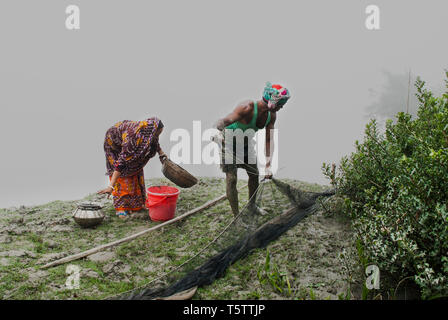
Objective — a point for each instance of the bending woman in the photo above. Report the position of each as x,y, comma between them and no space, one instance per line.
128,146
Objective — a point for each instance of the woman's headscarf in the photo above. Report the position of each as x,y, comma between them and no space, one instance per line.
275,95
139,143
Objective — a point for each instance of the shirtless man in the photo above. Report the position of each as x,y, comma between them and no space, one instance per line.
253,115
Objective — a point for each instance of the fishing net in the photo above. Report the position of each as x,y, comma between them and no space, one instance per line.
279,206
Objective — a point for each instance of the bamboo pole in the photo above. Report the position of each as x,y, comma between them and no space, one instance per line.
136,235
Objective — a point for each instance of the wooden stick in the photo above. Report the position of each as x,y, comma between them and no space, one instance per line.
136,235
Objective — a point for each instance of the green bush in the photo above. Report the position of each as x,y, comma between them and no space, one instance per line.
395,187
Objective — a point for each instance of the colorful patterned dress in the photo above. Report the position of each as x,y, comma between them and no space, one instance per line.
128,146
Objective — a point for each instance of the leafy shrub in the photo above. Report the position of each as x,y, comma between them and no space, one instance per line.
395,187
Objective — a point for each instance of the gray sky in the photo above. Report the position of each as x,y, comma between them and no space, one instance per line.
195,60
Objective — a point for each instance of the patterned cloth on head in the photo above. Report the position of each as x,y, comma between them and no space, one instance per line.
129,145
275,94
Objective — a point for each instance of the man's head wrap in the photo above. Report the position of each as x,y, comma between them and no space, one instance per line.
275,94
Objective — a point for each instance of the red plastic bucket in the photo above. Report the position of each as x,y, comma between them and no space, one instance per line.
161,202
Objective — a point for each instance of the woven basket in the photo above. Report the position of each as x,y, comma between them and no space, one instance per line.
177,174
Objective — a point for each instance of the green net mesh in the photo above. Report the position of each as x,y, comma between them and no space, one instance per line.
279,206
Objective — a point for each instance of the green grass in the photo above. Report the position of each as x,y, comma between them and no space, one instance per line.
157,252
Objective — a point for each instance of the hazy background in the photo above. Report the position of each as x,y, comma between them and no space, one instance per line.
60,90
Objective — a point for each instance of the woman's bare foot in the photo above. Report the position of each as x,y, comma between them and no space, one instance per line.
122,214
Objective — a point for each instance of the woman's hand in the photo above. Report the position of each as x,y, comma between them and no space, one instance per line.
107,191
162,155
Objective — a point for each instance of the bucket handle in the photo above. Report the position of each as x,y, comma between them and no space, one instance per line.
153,203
